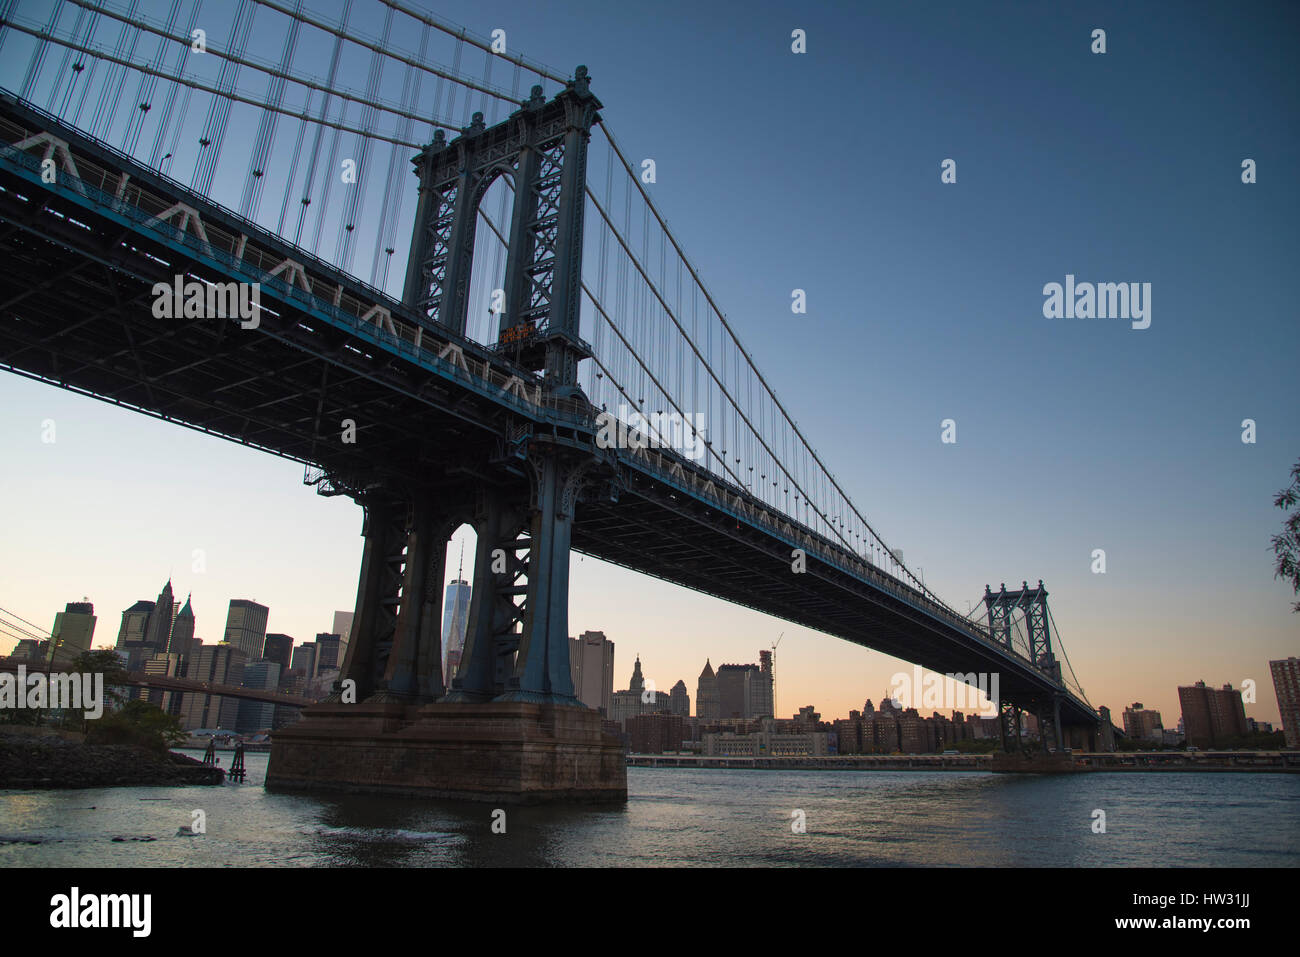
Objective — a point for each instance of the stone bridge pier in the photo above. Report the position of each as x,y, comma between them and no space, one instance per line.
506,727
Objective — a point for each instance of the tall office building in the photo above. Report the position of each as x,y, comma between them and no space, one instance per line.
182,640
304,660
762,690
745,691
221,664
135,621
279,648
329,653
1212,716
261,675
158,631
679,701
343,626
246,627
591,663
733,694
706,694
74,628
31,649
1286,684
166,665
455,617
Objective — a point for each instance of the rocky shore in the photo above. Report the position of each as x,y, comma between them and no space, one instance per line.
51,762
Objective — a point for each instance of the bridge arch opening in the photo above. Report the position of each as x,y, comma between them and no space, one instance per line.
457,588
488,267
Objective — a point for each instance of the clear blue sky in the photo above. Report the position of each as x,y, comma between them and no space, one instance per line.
821,171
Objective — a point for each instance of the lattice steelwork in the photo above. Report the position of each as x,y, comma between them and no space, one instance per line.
541,150
539,235
1000,608
1037,623
428,292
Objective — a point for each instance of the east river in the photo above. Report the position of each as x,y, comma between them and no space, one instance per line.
686,817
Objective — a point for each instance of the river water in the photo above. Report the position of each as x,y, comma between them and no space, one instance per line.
686,817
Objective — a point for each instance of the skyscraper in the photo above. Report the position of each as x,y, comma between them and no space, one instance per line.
329,653
262,675
343,626
680,700
591,663
279,648
706,694
745,691
1286,684
167,665
733,694
246,627
134,623
158,630
74,628
455,617
304,659
762,691
221,664
182,640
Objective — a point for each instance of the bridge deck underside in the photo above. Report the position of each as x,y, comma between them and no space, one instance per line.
76,310
711,553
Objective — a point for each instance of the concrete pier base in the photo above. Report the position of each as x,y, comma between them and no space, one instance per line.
1034,762
502,752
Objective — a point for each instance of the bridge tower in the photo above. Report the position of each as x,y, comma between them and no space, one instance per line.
516,642
542,150
507,725
1032,602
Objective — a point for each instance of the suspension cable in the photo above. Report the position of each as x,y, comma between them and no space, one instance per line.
205,88
362,42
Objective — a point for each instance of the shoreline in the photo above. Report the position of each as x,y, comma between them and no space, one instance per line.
1256,762
55,763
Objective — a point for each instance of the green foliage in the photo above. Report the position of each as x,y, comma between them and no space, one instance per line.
975,745
140,725
23,716
1286,546
106,662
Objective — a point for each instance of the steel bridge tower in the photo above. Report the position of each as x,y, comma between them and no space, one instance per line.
516,644
1001,607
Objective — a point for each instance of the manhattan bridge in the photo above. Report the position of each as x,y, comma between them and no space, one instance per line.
184,145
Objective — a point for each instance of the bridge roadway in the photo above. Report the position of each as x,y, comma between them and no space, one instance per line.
434,411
